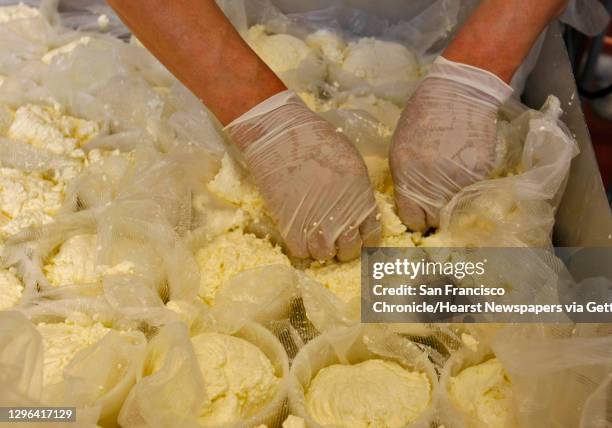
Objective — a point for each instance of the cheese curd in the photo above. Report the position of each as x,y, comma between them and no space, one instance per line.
374,393
294,422
65,49
231,185
282,52
26,200
11,290
47,128
74,263
484,393
18,11
344,279
327,44
376,62
61,342
230,254
238,377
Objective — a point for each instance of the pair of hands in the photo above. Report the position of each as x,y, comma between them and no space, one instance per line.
315,182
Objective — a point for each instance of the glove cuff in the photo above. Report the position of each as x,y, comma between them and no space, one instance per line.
272,103
471,76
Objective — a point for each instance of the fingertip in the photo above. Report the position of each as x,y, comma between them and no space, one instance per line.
411,214
319,247
370,229
349,245
297,247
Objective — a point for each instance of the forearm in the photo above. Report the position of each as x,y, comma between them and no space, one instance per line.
500,33
197,43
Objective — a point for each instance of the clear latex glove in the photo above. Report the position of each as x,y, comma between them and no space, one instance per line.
445,139
313,180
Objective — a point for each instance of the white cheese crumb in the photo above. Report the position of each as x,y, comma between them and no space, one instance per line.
46,128
18,11
103,21
27,200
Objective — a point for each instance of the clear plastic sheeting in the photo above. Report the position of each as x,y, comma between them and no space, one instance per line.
95,381
516,210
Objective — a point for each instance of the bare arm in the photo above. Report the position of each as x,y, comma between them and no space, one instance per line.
500,33
198,44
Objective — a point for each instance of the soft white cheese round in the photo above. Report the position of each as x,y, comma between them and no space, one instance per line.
281,52
484,392
376,62
238,377
374,393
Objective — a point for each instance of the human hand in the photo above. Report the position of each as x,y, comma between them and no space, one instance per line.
313,180
445,139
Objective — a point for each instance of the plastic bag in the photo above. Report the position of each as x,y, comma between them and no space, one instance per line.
517,210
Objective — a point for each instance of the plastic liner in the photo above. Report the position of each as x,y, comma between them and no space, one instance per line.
516,210
351,346
172,390
96,381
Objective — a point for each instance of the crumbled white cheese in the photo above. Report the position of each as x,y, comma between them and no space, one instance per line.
281,52
376,62
18,11
390,222
327,44
294,422
103,21
47,128
470,341
484,393
232,186
344,279
65,49
238,377
27,200
374,393
74,263
10,290
61,342
230,254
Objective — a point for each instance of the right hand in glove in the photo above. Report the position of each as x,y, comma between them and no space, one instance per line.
313,180
445,139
